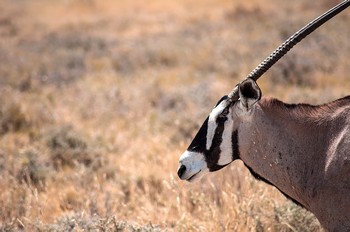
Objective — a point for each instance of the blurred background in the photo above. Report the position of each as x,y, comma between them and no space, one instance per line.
98,100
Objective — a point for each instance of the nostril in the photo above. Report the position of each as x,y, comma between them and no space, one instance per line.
181,170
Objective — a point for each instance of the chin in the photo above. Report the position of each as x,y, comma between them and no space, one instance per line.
197,176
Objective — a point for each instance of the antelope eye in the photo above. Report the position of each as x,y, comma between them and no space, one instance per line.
223,115
225,112
221,119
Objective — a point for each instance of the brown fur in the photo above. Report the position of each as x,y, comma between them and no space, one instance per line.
316,113
303,150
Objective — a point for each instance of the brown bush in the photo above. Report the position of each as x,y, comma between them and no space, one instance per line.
69,149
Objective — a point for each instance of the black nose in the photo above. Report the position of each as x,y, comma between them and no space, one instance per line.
181,170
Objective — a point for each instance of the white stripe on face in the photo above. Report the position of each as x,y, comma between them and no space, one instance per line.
212,122
226,144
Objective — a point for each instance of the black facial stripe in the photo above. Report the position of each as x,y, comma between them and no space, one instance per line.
212,156
235,153
235,147
199,142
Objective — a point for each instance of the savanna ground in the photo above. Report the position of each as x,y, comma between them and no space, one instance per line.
99,99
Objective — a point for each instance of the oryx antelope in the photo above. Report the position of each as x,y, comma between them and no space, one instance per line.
302,150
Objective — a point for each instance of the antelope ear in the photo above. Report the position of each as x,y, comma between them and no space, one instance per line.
249,93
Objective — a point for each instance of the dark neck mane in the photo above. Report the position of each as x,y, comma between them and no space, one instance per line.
317,113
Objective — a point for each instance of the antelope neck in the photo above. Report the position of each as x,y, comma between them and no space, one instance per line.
277,147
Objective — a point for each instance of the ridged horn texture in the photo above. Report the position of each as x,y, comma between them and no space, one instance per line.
290,43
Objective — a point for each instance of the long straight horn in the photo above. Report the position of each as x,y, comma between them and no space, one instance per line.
289,43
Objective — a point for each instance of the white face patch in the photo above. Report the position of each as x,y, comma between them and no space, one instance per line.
195,164
226,144
212,122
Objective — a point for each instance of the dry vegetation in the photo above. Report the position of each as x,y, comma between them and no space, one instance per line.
99,99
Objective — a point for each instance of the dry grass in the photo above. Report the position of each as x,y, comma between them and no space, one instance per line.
99,99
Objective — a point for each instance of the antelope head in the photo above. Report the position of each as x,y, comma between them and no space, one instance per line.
216,142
